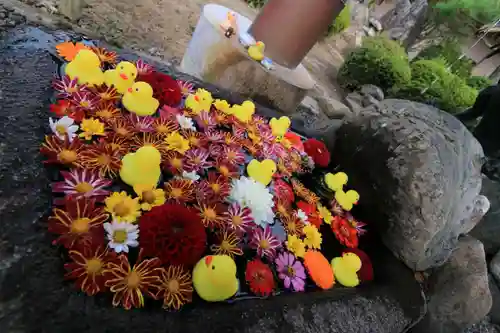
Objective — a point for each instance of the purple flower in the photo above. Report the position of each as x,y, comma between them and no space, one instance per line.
291,271
265,242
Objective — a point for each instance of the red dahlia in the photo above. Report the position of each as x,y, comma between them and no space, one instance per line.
259,277
318,152
165,88
174,233
345,232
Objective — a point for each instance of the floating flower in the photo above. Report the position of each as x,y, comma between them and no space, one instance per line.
185,123
63,128
91,127
231,140
283,191
238,218
193,176
174,162
176,142
253,149
303,192
284,168
292,140
84,101
143,68
179,190
106,111
296,246
239,132
282,208
80,183
264,242
174,233
259,278
176,287
121,236
87,267
318,151
325,214
215,187
122,127
65,108
196,160
149,196
345,232
106,94
291,271
186,87
196,139
293,225
228,244
62,152
79,222
311,215
66,87
101,158
165,88
358,225
301,215
162,126
122,207
214,135
233,155
105,55
205,120
226,169
148,139
116,143
170,112
249,193
141,124
313,237
211,214
130,284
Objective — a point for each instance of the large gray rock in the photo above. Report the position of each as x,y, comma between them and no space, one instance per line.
495,267
417,170
495,295
488,229
459,291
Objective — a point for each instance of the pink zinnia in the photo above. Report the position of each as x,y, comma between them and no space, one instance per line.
143,68
142,124
84,101
206,120
239,219
265,242
82,183
291,271
196,160
66,87
186,87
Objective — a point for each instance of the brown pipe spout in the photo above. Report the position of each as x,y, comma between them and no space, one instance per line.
290,28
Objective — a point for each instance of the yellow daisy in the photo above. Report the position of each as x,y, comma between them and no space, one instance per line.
91,127
149,196
313,237
177,142
122,207
296,246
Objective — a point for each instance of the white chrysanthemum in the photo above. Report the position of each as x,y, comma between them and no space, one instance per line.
185,122
190,175
121,235
64,126
302,215
249,193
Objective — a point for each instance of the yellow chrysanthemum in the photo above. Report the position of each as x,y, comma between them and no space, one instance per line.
296,246
149,196
313,237
325,214
91,127
177,142
223,106
123,207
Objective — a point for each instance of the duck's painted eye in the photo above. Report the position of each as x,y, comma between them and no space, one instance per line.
136,89
213,267
122,68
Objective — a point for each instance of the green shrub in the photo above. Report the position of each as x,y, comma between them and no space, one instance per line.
341,22
256,3
432,82
479,82
451,52
378,61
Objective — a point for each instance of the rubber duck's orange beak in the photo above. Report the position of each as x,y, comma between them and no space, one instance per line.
196,98
123,76
129,90
208,260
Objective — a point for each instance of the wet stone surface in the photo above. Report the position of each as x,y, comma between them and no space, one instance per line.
35,298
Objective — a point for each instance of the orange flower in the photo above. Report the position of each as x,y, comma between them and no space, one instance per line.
228,244
176,287
211,214
304,193
106,94
121,126
106,111
79,222
102,158
68,50
293,225
62,152
179,190
282,207
105,55
253,149
174,162
118,144
149,139
319,269
196,139
163,126
226,169
130,284
87,267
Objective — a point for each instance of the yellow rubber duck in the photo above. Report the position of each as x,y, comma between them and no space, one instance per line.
336,181
243,112
261,172
201,100
122,77
280,126
256,52
141,167
86,66
214,278
346,200
139,99
345,269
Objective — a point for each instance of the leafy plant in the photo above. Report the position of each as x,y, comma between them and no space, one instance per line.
479,82
341,22
451,52
256,3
